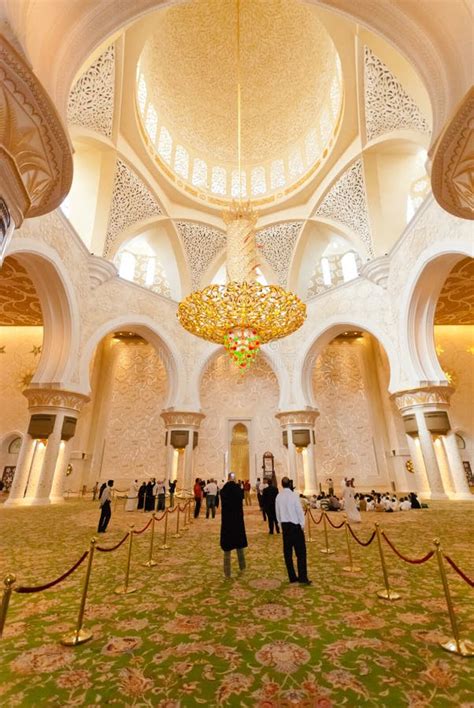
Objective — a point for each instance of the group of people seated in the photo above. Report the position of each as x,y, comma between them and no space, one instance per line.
375,501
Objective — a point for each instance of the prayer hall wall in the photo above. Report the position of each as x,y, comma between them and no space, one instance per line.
355,431
228,394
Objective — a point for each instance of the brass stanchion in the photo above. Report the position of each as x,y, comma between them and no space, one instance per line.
326,550
351,568
80,635
190,515
463,647
386,594
177,534
185,515
124,589
310,538
165,546
150,562
8,582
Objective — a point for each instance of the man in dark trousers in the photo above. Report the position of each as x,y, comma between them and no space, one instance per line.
232,524
290,515
105,500
269,495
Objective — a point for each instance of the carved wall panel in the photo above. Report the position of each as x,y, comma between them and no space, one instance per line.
226,393
387,105
456,300
135,431
19,303
91,101
344,446
132,201
346,201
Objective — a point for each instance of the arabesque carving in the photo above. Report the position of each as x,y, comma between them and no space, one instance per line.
35,156
276,244
452,173
387,105
178,419
202,244
306,418
91,101
429,396
55,398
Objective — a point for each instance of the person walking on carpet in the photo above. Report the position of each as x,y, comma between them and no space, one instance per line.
232,524
269,496
290,516
105,506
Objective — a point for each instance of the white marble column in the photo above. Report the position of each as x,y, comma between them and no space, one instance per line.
461,487
436,482
301,420
183,421
22,472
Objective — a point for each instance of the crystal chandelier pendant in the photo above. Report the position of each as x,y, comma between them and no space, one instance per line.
243,345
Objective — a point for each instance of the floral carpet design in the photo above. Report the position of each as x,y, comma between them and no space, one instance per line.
188,637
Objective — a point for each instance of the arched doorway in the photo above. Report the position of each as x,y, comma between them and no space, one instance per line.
239,451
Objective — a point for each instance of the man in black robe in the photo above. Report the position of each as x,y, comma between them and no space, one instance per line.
232,524
149,496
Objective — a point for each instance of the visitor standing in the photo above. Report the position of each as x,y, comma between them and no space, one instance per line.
172,488
210,491
141,495
247,490
161,495
350,507
269,496
290,516
132,497
149,496
232,524
105,500
198,495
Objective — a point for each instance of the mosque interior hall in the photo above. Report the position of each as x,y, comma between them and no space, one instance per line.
236,253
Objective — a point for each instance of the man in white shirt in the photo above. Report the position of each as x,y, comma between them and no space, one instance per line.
211,493
405,505
105,506
290,516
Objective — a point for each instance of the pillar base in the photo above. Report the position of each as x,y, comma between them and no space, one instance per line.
433,496
461,496
310,492
57,500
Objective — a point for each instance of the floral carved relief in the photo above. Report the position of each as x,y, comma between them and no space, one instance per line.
277,243
19,303
202,244
387,105
91,101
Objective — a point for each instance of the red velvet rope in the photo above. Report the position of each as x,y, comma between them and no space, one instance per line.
39,588
114,548
158,518
182,509
137,533
414,561
335,526
361,543
320,518
459,571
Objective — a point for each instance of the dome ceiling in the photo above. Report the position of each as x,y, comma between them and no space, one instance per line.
291,91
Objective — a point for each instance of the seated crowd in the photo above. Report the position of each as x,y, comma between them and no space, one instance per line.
375,501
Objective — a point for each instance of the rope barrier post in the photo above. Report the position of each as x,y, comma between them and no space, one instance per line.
326,550
386,594
455,645
8,582
177,534
165,546
185,515
310,538
190,515
351,568
124,589
80,635
150,562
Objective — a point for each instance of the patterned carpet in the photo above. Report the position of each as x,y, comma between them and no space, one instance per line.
187,637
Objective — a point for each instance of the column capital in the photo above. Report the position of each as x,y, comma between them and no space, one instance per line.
182,419
305,418
427,397
50,397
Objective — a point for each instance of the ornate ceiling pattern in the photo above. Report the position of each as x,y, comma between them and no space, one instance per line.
456,301
19,303
202,244
387,105
276,243
91,101
132,202
346,202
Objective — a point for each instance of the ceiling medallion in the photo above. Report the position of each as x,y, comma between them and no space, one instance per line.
243,314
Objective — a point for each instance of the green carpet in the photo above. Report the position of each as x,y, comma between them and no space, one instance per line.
187,637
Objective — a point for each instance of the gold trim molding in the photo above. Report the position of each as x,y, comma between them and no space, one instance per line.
55,398
306,418
35,154
177,419
429,396
453,162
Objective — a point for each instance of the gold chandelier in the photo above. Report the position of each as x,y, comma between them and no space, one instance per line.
244,314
